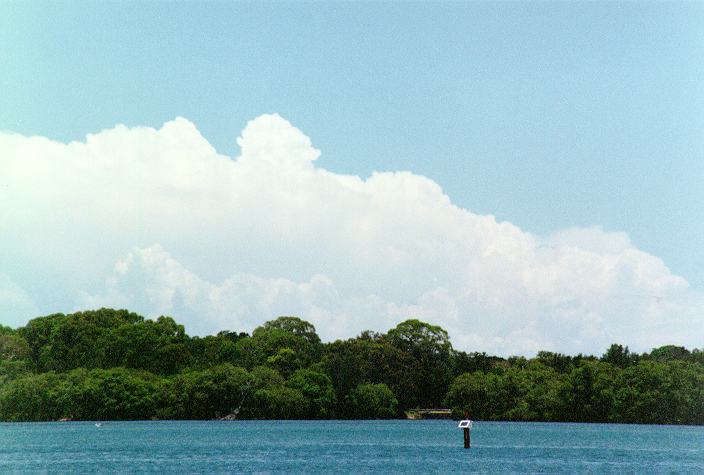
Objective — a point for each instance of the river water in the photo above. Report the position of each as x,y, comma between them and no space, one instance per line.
348,447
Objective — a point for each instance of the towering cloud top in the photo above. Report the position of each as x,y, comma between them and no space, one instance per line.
157,221
273,139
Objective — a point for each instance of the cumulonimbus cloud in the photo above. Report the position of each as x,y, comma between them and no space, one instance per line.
14,303
159,222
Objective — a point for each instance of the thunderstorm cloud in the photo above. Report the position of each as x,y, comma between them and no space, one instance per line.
158,222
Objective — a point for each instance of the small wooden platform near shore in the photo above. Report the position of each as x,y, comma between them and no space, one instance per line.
429,414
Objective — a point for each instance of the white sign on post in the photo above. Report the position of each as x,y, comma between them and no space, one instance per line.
466,424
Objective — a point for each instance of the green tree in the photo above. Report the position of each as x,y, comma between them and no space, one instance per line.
38,333
285,361
33,398
279,402
214,392
160,346
293,325
114,364
212,350
557,361
588,394
364,360
11,370
653,392
109,394
670,353
13,347
480,395
372,401
284,332
537,393
469,362
619,355
430,347
317,390
63,342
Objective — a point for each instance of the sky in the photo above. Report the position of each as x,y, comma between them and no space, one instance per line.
527,175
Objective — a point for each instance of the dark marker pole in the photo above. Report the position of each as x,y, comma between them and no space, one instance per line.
465,425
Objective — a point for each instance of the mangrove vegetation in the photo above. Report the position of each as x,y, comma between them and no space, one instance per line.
115,365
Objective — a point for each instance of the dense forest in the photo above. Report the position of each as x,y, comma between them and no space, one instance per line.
113,364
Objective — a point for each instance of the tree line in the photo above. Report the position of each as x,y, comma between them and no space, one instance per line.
116,365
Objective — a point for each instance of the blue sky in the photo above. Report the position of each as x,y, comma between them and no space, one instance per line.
545,115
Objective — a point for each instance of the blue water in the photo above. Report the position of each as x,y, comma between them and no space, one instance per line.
348,446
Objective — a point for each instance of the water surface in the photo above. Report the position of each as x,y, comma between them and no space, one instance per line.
348,446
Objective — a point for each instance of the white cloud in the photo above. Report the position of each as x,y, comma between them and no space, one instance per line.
16,307
157,221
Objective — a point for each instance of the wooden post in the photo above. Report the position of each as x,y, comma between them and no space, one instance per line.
466,431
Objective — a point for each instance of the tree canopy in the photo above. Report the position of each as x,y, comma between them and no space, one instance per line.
114,364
